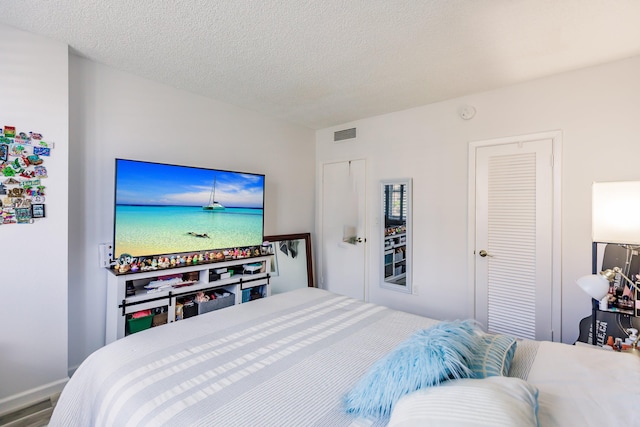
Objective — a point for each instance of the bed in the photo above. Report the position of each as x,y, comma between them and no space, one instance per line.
289,360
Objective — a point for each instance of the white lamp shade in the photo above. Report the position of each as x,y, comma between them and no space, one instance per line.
616,212
595,285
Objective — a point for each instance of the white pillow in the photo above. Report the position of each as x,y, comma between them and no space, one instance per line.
493,401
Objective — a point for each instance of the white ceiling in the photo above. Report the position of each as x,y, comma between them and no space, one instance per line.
321,63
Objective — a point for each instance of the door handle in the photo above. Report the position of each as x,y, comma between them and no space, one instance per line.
484,253
352,240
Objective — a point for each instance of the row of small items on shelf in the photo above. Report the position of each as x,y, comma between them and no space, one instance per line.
390,231
126,263
189,306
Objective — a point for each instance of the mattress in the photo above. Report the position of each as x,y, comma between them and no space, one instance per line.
286,360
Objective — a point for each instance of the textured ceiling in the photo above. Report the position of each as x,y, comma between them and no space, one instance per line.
326,62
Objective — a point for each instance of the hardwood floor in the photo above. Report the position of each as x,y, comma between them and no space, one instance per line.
36,415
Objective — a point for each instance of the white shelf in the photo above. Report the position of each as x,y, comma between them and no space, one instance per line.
119,305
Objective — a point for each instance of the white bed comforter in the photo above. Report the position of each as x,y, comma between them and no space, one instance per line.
283,360
586,386
289,359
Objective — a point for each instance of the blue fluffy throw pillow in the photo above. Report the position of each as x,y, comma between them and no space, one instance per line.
427,358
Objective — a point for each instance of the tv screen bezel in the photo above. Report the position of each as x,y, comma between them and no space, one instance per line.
115,253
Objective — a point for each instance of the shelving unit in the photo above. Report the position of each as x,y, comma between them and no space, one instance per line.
395,259
126,292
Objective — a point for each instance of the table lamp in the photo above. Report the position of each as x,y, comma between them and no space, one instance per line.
615,219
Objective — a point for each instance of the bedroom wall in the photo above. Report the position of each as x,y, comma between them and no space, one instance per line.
596,110
33,257
115,114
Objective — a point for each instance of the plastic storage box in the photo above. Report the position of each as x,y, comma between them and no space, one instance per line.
139,324
218,303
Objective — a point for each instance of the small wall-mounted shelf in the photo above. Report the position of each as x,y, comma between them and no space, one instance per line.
130,293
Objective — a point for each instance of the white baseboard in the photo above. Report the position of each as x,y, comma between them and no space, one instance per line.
29,397
72,370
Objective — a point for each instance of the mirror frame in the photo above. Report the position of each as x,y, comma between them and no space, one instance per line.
408,287
307,245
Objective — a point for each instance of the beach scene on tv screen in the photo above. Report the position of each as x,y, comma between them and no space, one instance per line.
166,209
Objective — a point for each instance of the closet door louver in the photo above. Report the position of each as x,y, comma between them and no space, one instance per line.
512,231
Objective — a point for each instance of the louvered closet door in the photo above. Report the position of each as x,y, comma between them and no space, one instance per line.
514,212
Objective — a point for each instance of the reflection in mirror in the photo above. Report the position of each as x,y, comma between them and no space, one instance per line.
291,265
396,231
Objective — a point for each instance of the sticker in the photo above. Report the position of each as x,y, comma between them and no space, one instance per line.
37,210
37,199
38,191
8,171
36,136
19,164
42,151
16,192
16,150
3,190
30,183
4,152
40,171
23,215
11,181
19,202
8,216
9,131
34,159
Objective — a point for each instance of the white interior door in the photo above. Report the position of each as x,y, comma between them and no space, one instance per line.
514,238
343,228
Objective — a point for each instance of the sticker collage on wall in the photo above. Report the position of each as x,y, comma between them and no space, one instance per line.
22,174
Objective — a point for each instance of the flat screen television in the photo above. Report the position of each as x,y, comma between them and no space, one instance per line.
163,209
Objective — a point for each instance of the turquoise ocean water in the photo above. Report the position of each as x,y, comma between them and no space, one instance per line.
153,230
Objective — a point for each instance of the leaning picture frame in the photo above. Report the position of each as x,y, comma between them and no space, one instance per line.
274,261
37,210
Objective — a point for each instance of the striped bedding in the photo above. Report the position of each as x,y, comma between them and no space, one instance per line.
285,360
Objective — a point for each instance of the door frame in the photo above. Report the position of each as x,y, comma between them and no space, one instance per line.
556,269
320,222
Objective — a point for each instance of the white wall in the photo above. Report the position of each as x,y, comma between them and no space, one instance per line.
33,258
115,114
597,111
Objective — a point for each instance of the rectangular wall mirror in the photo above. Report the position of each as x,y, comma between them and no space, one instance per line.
396,232
292,263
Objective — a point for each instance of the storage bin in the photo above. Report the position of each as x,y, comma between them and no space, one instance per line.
160,319
218,303
139,324
189,309
250,294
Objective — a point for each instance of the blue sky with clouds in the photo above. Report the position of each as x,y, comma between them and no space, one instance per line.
143,183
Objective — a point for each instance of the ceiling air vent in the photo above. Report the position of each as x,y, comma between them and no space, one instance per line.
341,135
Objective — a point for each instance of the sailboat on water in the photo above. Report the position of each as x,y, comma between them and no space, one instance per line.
213,205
